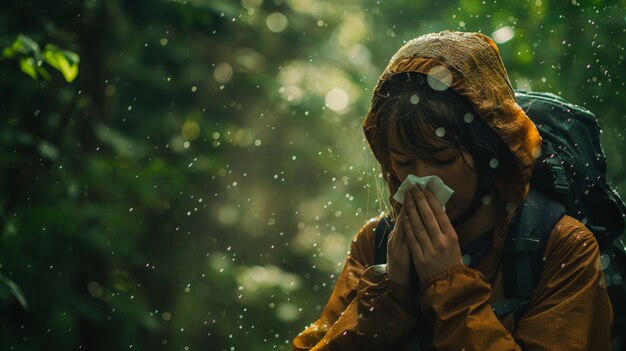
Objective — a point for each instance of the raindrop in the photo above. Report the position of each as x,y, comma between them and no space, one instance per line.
414,99
337,99
486,200
494,163
510,207
439,78
503,35
276,22
440,132
605,260
191,130
94,289
468,118
223,73
251,4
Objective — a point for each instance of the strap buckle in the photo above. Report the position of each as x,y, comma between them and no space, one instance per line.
561,184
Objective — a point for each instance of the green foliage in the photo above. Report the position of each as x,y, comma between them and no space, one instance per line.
198,183
31,58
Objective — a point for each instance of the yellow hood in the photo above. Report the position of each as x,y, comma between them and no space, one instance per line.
469,64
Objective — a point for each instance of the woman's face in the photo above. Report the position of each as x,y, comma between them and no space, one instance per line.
446,163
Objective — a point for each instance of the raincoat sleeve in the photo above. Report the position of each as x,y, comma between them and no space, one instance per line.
570,309
366,311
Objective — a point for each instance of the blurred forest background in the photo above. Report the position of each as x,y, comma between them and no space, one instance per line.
188,175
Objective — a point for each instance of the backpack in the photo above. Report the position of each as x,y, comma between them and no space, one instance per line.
569,178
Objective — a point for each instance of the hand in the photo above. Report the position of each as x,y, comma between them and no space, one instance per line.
431,238
398,254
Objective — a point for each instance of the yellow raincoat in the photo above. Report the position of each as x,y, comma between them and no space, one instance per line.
570,308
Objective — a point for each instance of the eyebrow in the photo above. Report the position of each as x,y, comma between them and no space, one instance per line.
435,150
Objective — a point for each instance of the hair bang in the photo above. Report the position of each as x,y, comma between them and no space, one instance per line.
416,127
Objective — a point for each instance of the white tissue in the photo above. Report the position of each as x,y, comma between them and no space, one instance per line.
433,183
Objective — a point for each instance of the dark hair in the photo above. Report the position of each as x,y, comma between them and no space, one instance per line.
416,112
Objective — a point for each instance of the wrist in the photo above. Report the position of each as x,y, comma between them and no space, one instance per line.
445,274
397,279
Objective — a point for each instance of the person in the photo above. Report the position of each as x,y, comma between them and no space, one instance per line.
444,106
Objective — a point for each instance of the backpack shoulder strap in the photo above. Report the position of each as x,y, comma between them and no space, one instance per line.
383,228
524,250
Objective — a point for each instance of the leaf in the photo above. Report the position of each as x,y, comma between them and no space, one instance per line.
8,52
71,57
27,43
31,58
42,72
24,45
63,61
27,65
14,289
69,71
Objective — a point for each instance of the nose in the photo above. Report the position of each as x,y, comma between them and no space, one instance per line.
421,168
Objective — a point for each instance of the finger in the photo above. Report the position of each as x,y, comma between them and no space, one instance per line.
401,213
414,227
416,250
426,214
397,237
440,214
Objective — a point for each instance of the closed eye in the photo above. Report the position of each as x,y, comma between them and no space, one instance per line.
439,162
446,162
